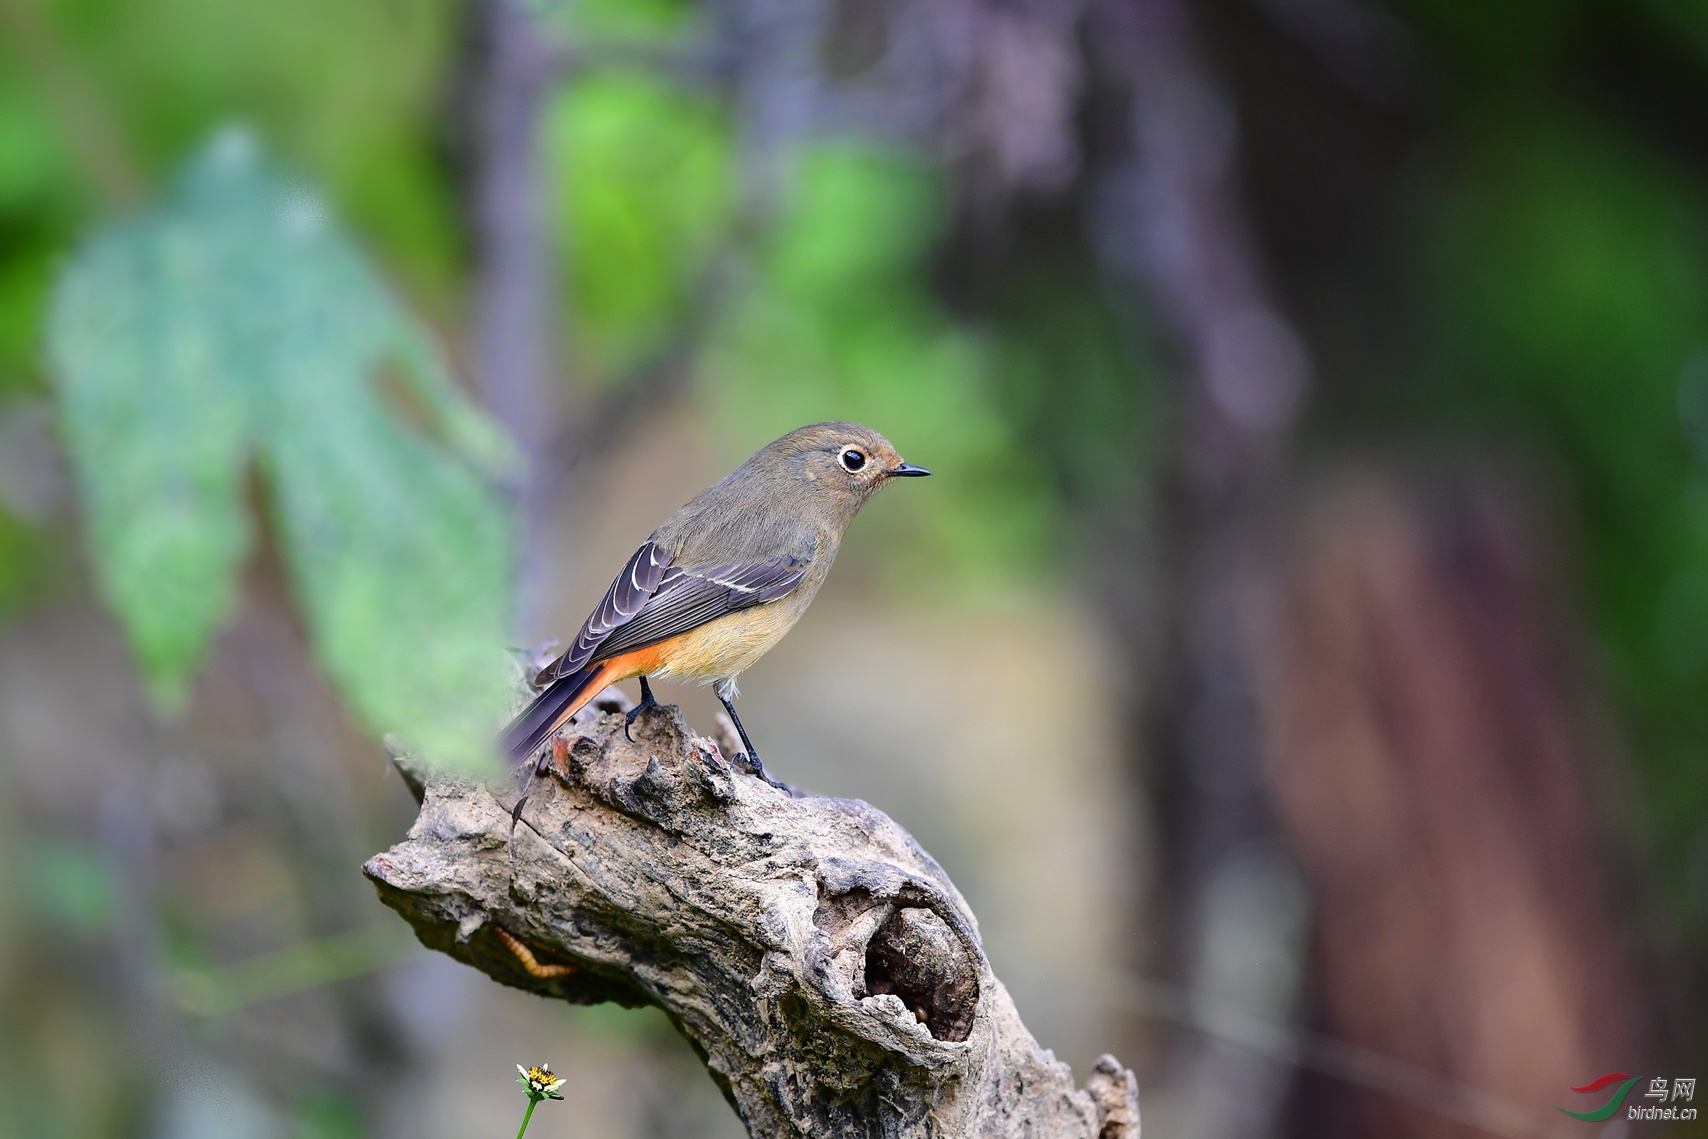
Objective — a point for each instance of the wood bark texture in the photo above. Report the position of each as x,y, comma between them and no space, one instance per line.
821,964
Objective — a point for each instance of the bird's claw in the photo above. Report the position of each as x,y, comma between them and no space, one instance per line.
751,761
647,703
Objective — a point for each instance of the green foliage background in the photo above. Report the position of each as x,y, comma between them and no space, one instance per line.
1566,259
1558,257
1563,262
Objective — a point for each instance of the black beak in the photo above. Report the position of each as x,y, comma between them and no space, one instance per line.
909,471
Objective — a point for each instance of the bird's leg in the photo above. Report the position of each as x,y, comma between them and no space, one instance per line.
751,757
646,703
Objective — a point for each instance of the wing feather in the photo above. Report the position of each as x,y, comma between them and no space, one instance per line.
627,596
652,600
693,597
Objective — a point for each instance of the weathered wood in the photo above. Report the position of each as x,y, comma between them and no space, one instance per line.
820,962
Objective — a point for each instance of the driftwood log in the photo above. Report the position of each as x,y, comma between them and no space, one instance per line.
821,964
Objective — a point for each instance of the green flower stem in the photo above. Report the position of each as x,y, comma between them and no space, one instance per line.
533,1102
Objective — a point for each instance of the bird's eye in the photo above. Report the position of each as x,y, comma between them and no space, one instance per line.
853,459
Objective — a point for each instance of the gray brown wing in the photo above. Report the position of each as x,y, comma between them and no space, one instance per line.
627,596
652,600
688,598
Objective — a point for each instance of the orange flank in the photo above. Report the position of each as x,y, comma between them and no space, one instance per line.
643,661
720,648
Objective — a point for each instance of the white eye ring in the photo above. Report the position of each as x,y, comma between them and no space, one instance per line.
852,458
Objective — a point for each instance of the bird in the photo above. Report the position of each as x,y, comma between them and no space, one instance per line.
717,585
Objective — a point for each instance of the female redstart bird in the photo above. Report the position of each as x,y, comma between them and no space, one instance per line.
711,590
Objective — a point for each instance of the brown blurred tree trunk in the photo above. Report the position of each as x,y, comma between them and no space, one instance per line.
1433,769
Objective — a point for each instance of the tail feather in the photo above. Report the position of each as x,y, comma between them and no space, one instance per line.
562,699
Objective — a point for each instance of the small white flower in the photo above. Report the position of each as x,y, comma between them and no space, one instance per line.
540,1082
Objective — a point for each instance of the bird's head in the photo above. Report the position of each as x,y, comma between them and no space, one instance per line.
840,465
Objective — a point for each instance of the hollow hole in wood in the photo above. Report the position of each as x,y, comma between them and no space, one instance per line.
916,956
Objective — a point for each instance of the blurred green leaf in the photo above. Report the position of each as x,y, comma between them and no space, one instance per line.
350,91
24,289
236,325
32,153
642,173
326,1114
616,20
1067,370
201,990
71,885
26,562
861,218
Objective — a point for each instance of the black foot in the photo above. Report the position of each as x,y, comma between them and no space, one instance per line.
751,761
647,703
750,757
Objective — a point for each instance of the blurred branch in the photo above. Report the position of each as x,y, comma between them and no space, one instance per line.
686,62
295,969
655,380
823,966
511,71
515,62
1170,220
96,141
1298,1048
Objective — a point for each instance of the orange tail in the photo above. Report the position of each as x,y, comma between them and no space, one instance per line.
562,699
